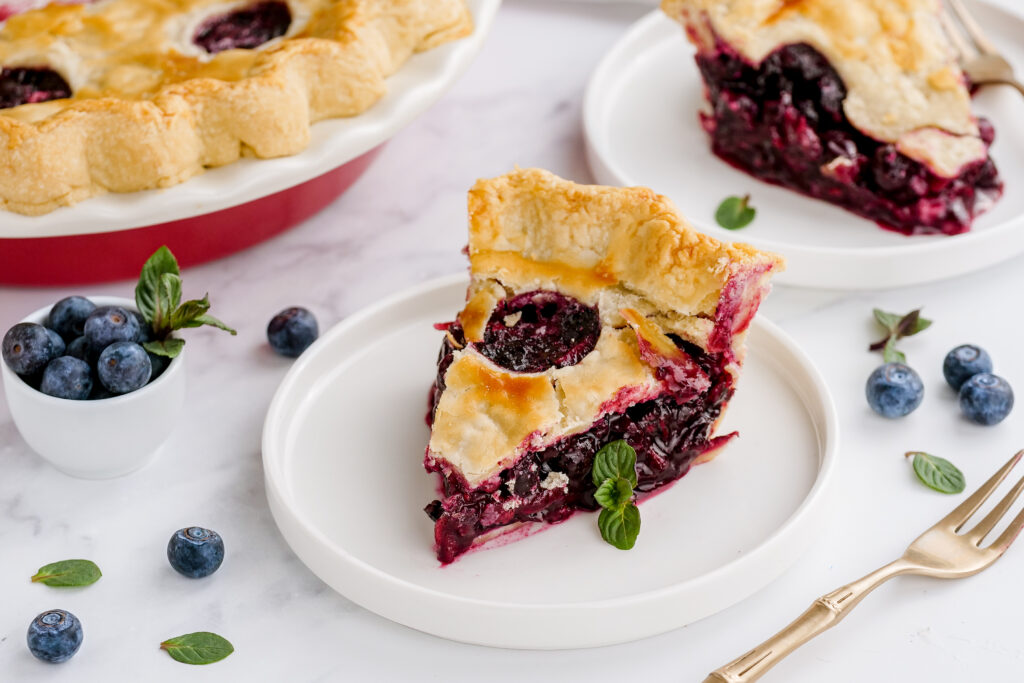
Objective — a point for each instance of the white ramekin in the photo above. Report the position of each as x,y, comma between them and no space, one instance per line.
97,439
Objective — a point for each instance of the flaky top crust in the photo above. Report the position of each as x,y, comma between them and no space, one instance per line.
531,229
625,250
151,110
899,68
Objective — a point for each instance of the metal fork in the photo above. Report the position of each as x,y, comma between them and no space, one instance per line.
941,552
979,59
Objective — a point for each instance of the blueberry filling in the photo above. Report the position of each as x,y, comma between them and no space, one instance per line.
535,331
29,85
783,121
245,28
551,484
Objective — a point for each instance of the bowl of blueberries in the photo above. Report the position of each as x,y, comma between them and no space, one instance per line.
84,393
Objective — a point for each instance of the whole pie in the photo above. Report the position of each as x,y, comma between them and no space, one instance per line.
857,102
594,314
126,95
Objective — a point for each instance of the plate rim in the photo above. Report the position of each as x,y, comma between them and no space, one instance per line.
116,212
607,170
287,515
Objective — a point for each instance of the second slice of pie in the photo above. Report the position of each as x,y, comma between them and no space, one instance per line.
594,314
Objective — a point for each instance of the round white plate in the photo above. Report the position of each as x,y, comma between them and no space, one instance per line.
334,142
343,448
640,119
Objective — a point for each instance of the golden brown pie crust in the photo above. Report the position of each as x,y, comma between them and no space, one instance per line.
902,79
625,250
144,115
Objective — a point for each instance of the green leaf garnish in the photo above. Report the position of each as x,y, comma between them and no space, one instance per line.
617,459
68,573
168,348
897,327
614,474
621,526
735,213
937,473
614,493
158,298
161,262
198,648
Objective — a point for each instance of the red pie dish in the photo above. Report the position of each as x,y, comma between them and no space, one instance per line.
594,314
859,103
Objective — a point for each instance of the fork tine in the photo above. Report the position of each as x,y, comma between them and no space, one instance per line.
958,517
979,532
1010,534
973,29
963,48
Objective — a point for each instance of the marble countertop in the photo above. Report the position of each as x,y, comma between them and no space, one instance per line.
402,223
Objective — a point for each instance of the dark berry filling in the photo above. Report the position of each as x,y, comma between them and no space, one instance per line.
782,121
668,436
28,85
538,330
245,28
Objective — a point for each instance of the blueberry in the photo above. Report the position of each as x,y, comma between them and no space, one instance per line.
109,324
28,348
964,362
79,348
292,331
67,317
159,364
55,636
195,552
124,367
67,377
59,347
145,329
894,390
986,399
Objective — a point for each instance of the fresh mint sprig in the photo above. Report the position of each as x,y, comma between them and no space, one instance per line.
68,573
735,212
158,297
198,648
614,475
937,473
898,327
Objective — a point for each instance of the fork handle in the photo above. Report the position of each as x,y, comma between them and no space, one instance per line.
826,612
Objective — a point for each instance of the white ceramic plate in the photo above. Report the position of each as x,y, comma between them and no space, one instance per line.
343,446
640,119
416,86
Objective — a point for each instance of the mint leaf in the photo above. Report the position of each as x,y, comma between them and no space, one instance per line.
169,348
68,573
898,327
158,297
186,314
198,648
614,493
891,355
735,213
212,322
160,263
887,320
937,473
617,459
620,527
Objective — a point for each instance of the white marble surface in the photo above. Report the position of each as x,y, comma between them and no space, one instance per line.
403,222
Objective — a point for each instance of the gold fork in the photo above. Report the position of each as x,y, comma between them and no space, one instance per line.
979,59
940,552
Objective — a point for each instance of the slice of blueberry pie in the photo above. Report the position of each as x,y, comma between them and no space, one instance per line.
594,314
856,102
126,95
